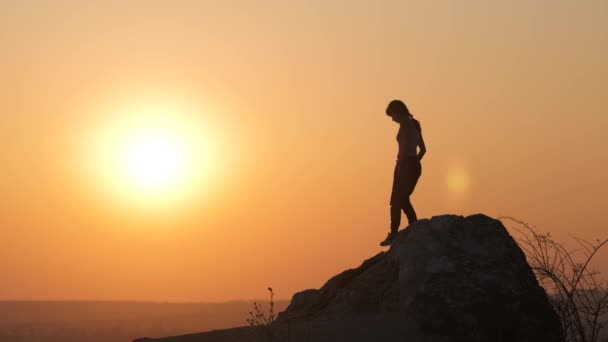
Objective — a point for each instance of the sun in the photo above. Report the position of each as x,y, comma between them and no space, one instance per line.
153,155
154,161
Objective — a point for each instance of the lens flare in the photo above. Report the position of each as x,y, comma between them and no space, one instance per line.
457,179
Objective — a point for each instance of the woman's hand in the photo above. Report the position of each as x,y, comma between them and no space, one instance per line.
422,147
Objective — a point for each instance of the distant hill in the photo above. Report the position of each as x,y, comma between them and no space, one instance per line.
115,321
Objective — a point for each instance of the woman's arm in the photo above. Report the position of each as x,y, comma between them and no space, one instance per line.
422,148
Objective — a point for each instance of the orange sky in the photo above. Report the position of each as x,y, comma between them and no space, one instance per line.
291,97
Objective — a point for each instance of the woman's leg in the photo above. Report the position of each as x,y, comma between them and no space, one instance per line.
409,211
396,198
414,170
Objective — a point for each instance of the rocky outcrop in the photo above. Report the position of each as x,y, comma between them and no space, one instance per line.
448,278
372,288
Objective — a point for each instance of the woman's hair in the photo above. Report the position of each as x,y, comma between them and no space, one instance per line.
397,106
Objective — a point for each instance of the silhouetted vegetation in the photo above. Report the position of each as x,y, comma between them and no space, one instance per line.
578,294
258,317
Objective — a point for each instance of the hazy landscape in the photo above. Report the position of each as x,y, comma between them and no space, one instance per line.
420,171
115,321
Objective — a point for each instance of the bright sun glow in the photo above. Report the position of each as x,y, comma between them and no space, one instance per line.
154,154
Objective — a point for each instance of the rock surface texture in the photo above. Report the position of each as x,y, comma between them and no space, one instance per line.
448,278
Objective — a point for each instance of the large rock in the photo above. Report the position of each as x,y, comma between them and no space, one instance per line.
448,278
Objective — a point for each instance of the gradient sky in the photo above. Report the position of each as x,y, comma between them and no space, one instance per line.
511,97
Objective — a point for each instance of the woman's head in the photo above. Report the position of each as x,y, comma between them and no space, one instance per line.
398,111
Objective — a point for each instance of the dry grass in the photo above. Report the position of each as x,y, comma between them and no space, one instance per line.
261,319
578,293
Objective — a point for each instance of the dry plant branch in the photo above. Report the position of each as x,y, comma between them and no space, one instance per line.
259,318
577,293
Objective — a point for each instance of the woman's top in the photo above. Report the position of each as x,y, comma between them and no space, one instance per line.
408,137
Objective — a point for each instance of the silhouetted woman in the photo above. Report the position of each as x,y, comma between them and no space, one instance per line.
408,167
